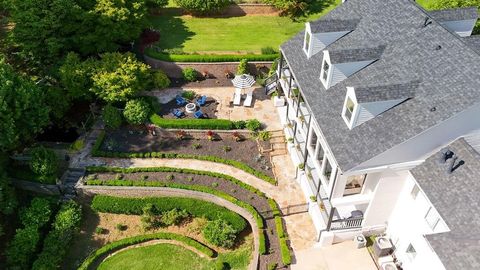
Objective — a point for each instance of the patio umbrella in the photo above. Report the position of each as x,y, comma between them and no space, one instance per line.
243,81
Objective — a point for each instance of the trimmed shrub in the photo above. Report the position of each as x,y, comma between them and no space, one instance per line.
214,124
37,214
268,50
112,117
239,124
253,125
285,252
202,6
156,3
220,233
144,238
190,74
22,248
196,208
262,249
242,67
190,95
136,111
207,58
160,79
58,239
43,163
173,217
279,227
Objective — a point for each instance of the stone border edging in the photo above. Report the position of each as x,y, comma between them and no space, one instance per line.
47,189
174,192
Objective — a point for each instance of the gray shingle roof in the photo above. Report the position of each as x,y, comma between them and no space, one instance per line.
448,77
325,26
473,42
385,92
455,14
354,55
456,198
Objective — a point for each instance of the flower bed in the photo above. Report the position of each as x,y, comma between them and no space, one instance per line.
144,238
215,124
225,186
229,148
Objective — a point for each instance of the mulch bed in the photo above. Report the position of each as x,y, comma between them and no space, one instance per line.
260,203
247,151
209,109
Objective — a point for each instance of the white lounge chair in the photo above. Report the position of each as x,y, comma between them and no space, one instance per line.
248,99
237,97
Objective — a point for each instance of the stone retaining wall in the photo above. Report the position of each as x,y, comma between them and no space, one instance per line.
37,187
85,190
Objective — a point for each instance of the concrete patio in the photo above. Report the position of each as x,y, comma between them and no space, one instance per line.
262,106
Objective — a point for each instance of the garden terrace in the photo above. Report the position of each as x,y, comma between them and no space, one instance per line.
204,181
237,149
209,110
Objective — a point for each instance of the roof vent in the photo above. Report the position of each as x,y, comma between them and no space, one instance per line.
439,47
432,109
427,22
444,154
451,164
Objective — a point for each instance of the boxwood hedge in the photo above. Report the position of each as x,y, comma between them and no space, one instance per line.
208,57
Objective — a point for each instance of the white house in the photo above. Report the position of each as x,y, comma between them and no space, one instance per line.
372,90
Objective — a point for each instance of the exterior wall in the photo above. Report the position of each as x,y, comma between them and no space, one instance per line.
369,110
407,225
473,139
423,145
322,40
463,28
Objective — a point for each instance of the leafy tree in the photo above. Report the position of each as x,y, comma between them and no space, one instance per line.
242,67
119,77
22,108
22,248
136,111
157,3
112,117
202,6
43,162
220,233
75,75
8,198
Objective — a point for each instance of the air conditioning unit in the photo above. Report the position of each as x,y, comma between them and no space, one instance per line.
360,241
382,246
388,266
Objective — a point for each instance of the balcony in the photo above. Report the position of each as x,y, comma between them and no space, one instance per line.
346,223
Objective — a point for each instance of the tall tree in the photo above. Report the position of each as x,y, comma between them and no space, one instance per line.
22,108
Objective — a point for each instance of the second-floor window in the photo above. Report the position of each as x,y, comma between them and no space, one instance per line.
307,41
328,170
411,252
349,109
433,218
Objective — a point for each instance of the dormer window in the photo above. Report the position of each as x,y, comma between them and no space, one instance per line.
349,106
326,70
326,67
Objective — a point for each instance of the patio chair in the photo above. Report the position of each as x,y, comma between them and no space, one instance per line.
178,113
198,114
237,97
248,100
180,100
201,101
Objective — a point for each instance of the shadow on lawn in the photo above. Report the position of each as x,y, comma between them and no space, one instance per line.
173,32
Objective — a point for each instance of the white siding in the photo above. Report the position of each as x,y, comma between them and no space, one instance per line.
369,110
341,71
474,139
463,28
322,40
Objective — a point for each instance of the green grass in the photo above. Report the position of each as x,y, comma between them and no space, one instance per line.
234,34
161,256
426,3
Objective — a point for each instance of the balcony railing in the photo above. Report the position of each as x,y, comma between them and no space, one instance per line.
346,223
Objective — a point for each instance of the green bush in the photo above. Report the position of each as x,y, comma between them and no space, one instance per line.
22,248
98,143
100,230
155,106
173,217
59,238
156,3
268,50
37,214
262,249
112,117
196,208
202,6
272,266
285,252
160,79
144,238
137,111
190,74
213,124
264,135
190,95
279,227
205,58
242,67
253,125
273,67
220,233
239,124
44,162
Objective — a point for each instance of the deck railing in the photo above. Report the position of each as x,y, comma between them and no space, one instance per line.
346,223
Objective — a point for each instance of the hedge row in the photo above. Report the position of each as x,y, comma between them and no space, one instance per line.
237,164
282,236
197,208
58,239
262,249
208,57
215,124
144,238
97,169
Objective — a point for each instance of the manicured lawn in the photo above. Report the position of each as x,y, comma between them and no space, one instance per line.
426,3
160,256
235,34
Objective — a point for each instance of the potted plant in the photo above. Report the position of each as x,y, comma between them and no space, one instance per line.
228,74
301,166
321,206
313,198
290,140
180,135
236,136
205,74
210,135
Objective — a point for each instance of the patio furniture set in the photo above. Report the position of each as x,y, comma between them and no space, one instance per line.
190,107
242,82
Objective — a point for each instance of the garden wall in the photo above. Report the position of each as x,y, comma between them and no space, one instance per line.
85,190
37,187
174,69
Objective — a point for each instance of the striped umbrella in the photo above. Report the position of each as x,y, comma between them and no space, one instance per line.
243,81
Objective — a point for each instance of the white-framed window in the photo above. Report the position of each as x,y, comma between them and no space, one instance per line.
349,107
411,252
325,71
306,45
432,218
415,191
327,170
